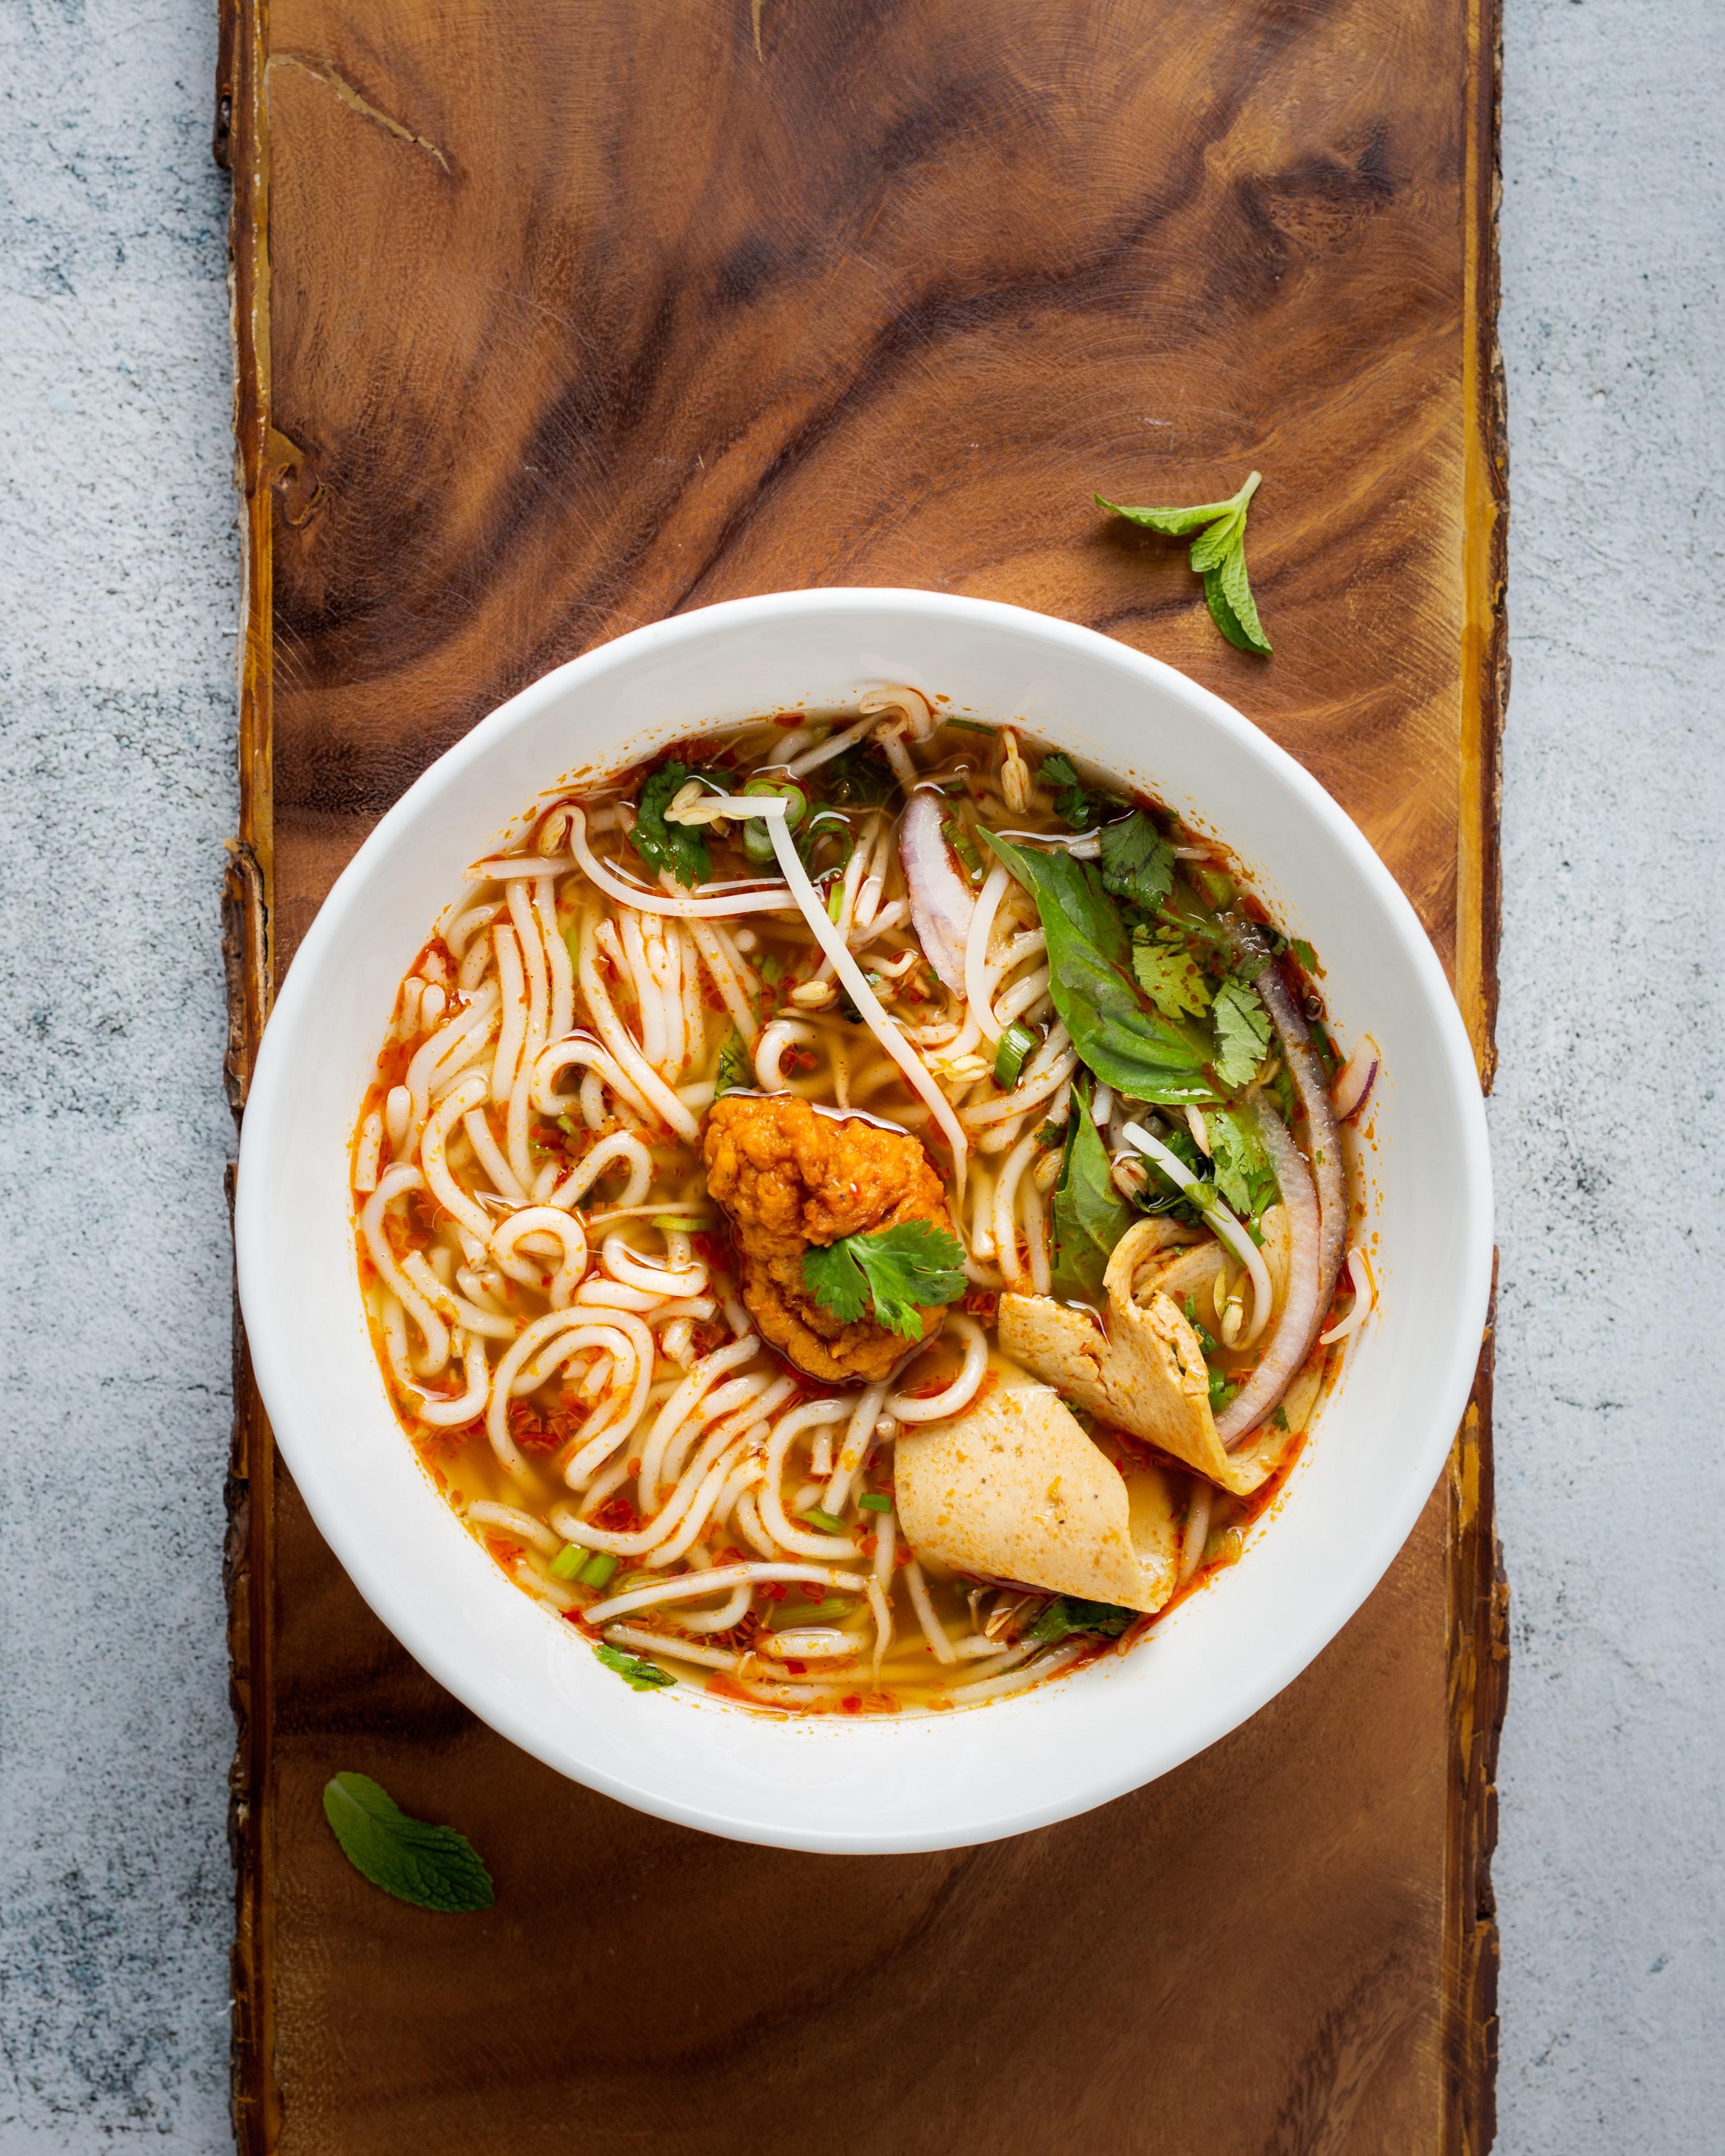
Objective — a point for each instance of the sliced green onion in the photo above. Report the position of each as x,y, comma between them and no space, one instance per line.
685,1224
1217,888
835,900
1016,1043
597,1570
818,1518
971,726
756,839
568,1561
785,1619
872,1502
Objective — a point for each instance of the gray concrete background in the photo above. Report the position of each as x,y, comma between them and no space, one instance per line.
118,597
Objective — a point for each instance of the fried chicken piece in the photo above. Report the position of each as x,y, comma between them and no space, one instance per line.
788,1178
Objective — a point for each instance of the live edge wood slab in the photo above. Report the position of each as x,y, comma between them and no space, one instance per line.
555,318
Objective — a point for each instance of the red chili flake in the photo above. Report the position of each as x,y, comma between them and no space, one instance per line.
776,1589
634,1469
618,1516
503,1549
982,1303
868,1544
526,1429
790,720
852,1703
802,1059
729,1556
710,1250
797,1669
902,1555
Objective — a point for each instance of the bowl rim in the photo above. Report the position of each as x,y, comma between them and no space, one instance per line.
271,1074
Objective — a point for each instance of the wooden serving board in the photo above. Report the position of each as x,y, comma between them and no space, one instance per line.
555,318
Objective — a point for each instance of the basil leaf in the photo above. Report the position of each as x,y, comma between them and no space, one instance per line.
433,1867
1115,1032
1090,1216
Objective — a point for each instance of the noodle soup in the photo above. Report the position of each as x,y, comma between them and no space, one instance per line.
852,1214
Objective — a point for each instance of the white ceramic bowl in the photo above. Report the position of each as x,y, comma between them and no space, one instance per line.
938,1781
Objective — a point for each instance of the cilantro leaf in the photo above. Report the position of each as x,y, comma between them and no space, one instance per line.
1070,1612
637,1672
681,848
736,1070
1138,862
1090,1216
433,1867
900,1270
1218,555
1242,1032
1169,975
1244,1175
1076,805
1117,1035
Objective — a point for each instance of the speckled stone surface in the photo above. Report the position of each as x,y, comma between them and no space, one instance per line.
117,601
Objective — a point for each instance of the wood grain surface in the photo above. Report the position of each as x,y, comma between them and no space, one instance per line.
554,319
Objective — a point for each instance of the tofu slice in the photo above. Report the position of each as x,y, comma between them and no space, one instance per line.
1146,1374
1014,1490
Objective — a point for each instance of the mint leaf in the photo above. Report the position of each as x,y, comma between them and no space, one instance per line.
1210,550
637,1672
433,1867
1169,975
1242,1032
736,1071
1218,555
1170,523
681,848
1115,1032
1244,1174
900,1270
1138,862
1089,1215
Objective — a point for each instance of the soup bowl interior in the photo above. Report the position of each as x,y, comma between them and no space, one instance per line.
904,1782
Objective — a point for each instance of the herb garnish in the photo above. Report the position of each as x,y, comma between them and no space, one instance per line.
1089,1215
1117,1035
681,848
1168,973
736,1071
433,1867
637,1672
1075,805
1218,556
1244,1175
1138,862
896,1269
1070,1612
1242,1032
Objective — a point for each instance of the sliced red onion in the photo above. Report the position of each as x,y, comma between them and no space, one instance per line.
1323,1134
1355,1080
941,902
1307,1296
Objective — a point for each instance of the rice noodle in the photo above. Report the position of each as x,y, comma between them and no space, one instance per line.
445,1412
647,1081
813,1414
396,1182
546,1223
922,1603
512,1031
936,1407
433,1162
772,898
694,1586
858,1433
